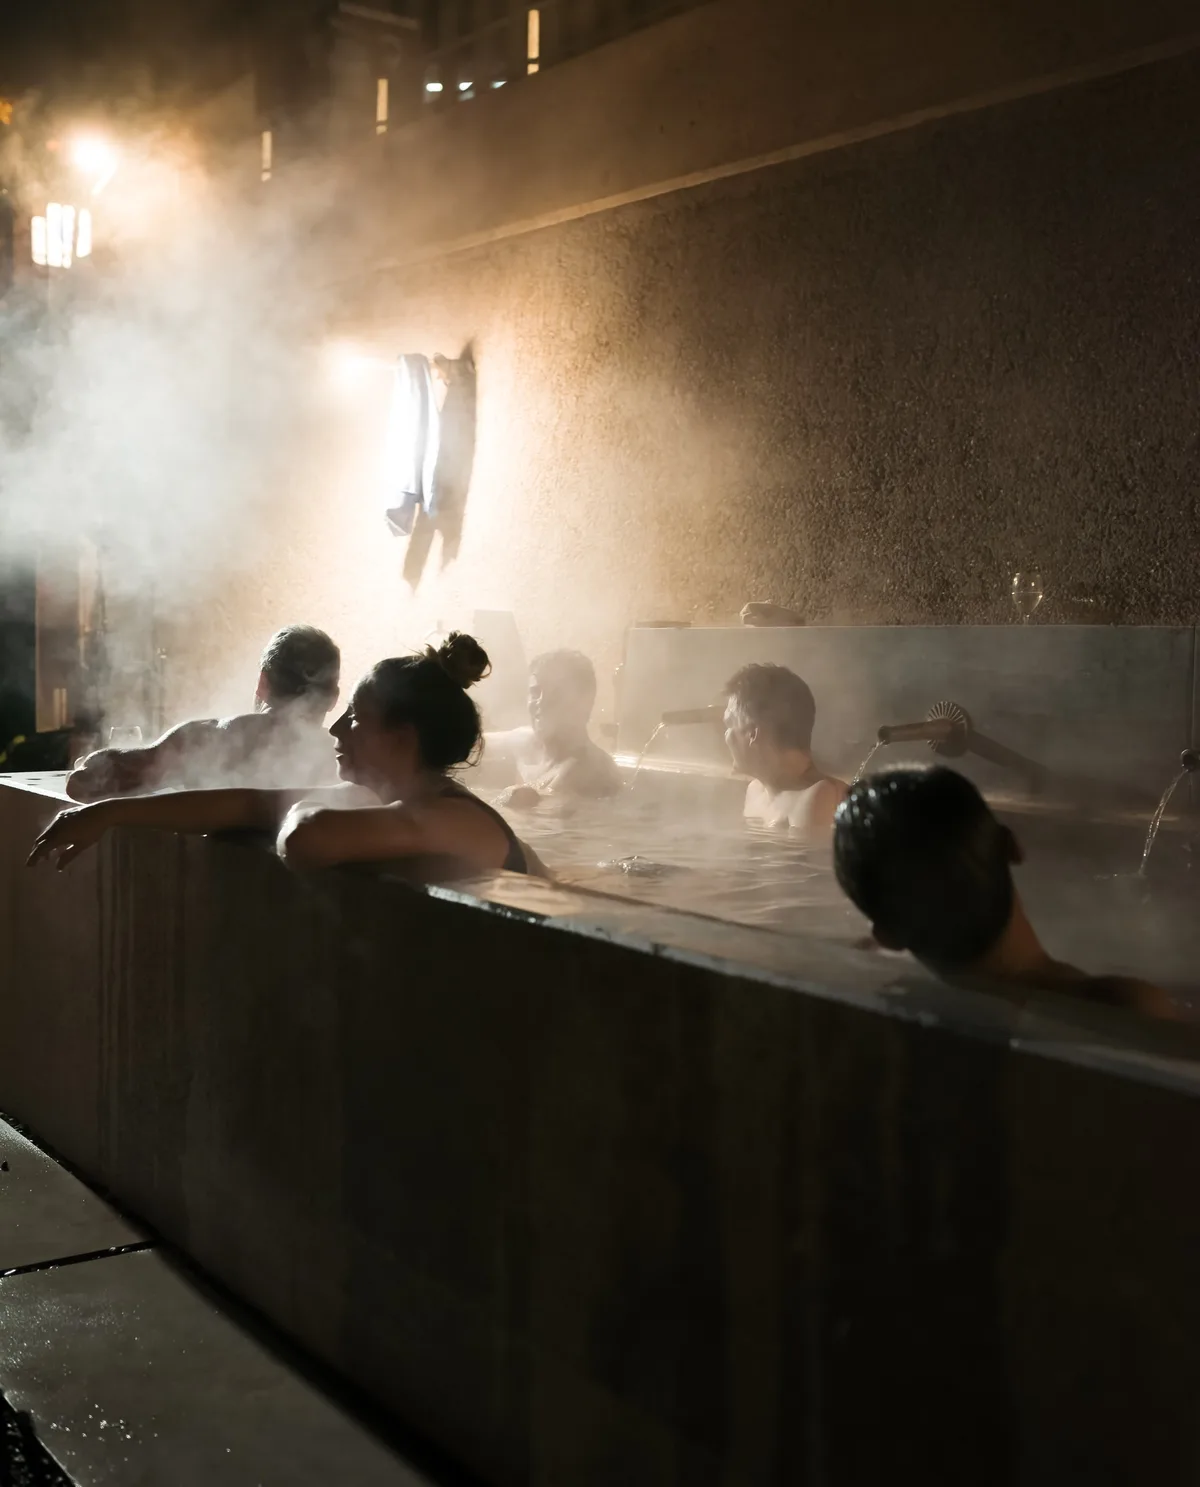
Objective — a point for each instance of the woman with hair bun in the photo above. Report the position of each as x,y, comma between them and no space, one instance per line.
409,723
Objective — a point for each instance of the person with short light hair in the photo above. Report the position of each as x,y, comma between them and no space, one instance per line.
769,717
282,742
920,853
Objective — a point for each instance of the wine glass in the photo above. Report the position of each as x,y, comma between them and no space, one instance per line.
124,738
1027,592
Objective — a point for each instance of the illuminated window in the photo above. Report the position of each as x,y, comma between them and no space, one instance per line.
37,240
381,105
83,234
533,40
54,225
267,152
68,235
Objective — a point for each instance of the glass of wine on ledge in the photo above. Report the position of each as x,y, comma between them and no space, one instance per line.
1027,592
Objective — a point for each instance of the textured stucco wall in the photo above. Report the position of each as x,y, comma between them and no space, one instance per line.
867,384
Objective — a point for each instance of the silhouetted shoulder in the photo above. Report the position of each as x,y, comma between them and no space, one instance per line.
1130,993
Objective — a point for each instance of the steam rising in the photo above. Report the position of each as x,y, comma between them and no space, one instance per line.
147,408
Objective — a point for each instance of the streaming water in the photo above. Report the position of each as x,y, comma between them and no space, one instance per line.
1156,820
862,768
637,769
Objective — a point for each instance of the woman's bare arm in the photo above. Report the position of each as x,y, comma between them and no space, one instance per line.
195,811
314,836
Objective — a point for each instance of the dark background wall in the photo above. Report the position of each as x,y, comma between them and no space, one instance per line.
869,382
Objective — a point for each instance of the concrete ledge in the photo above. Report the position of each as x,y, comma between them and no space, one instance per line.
585,1196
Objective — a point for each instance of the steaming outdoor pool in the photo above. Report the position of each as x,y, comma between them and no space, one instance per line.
742,873
1089,908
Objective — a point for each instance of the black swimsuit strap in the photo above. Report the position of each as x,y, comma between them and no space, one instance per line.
515,862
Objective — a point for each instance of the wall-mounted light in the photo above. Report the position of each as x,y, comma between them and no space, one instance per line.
381,105
533,41
348,366
414,440
267,154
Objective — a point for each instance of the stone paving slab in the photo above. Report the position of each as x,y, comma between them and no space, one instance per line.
46,1214
135,1376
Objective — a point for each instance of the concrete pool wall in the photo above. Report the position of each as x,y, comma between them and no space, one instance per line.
593,1193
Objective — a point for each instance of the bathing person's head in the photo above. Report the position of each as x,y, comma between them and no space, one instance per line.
769,714
411,715
920,853
562,693
300,668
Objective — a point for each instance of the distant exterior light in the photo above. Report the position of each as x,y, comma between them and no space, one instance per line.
268,154
61,236
465,87
499,82
433,87
381,105
96,158
533,41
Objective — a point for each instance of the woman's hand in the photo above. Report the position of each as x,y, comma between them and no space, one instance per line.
71,832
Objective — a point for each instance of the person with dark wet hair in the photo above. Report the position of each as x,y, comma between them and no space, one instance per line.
769,717
920,853
282,742
410,723
555,756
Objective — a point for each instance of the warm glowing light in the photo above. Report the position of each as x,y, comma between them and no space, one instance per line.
533,40
381,105
348,366
268,154
96,158
52,238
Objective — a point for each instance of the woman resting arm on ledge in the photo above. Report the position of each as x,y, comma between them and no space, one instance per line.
409,723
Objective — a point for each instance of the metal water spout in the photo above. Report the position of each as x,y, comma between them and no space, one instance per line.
946,729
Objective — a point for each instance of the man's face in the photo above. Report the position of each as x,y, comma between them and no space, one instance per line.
555,704
741,739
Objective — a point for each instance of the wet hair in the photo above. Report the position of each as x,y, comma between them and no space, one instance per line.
774,698
920,853
572,667
301,661
429,692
